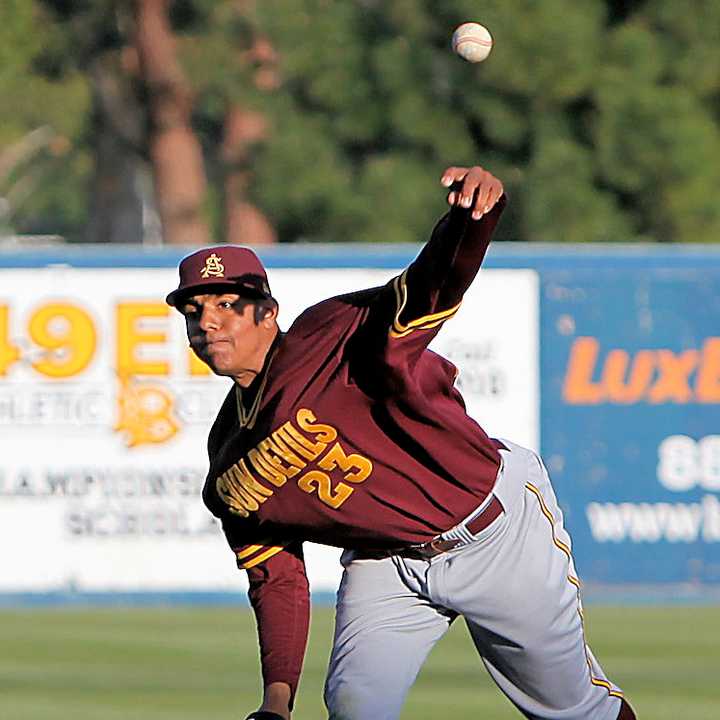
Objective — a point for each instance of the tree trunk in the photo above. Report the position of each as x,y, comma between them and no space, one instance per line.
117,199
245,224
175,152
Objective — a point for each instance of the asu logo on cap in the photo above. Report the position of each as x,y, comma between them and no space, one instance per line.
234,267
213,267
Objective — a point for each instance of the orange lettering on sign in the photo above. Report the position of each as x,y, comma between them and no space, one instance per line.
132,336
652,376
9,352
579,388
673,383
708,381
624,388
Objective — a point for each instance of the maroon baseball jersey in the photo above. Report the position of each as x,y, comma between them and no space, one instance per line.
353,435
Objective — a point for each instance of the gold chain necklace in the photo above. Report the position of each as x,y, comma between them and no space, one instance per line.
247,418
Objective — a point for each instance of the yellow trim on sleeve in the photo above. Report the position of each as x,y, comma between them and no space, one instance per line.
274,550
249,550
425,322
400,292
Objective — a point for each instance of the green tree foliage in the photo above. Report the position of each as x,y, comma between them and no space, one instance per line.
656,123
602,117
44,156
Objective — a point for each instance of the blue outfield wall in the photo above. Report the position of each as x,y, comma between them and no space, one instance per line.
630,369
630,395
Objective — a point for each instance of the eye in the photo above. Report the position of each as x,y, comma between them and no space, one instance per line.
225,304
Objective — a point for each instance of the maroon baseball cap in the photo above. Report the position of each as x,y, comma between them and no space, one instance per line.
221,268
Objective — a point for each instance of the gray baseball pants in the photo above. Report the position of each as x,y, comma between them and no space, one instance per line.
515,585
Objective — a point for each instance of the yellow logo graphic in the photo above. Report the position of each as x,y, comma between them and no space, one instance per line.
145,413
213,267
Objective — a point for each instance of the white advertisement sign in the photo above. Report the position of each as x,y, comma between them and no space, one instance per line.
104,415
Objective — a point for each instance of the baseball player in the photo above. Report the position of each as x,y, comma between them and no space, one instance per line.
346,430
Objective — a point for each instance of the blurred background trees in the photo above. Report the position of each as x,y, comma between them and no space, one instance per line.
331,120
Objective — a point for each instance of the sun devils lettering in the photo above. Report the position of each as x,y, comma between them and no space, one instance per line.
213,267
306,450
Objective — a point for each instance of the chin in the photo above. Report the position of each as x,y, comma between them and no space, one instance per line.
215,365
218,367
224,372
221,366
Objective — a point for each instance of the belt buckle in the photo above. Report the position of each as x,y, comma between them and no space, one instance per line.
439,546
436,545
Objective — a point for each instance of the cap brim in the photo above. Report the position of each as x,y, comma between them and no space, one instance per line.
177,297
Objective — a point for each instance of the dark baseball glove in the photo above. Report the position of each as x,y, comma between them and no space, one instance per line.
264,715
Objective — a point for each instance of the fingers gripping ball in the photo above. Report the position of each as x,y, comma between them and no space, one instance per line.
472,42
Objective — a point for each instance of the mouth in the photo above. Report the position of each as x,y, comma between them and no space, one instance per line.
206,348
214,345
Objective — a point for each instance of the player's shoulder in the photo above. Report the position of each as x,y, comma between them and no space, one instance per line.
432,365
339,309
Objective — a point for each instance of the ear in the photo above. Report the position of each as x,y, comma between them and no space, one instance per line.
270,318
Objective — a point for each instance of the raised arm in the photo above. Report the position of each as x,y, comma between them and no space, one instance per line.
431,289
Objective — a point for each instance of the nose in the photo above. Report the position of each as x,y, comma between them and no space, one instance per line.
209,319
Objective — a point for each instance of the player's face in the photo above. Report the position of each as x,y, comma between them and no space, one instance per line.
223,333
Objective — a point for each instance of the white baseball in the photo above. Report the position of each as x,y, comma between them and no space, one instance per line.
472,42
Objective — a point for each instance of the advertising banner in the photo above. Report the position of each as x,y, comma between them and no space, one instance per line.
631,419
104,414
